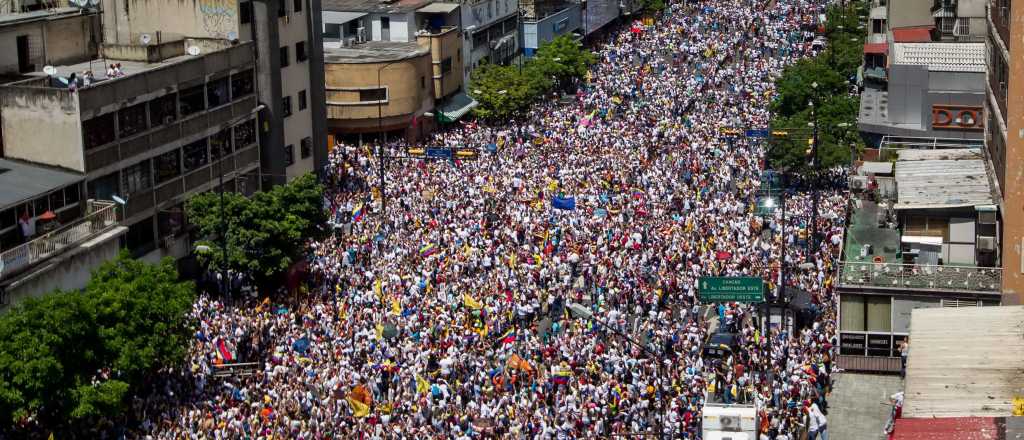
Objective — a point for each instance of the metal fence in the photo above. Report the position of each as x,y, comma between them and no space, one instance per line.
102,216
920,276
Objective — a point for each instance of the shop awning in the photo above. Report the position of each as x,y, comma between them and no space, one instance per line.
876,48
334,17
456,107
921,34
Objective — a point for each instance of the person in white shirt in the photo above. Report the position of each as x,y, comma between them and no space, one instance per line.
817,424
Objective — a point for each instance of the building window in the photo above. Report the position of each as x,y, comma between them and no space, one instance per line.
193,100
139,237
217,92
101,188
135,178
946,25
220,144
373,95
281,9
162,110
423,82
286,106
385,23
332,31
195,155
245,134
306,147
56,200
300,52
446,65
963,27
167,166
289,155
284,56
132,120
241,84
99,130
297,5
72,195
302,100
245,12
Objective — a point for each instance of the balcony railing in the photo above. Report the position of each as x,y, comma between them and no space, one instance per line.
920,276
102,216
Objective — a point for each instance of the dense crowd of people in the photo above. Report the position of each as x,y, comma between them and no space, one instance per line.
547,289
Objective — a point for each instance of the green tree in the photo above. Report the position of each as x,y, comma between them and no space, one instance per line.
265,233
130,320
563,58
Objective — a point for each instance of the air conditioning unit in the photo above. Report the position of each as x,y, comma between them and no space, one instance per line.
859,183
956,303
730,423
986,243
361,34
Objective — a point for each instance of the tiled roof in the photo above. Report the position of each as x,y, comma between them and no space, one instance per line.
942,57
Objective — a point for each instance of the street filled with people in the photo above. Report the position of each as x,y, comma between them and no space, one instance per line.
548,287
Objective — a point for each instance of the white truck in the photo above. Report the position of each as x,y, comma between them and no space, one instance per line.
728,421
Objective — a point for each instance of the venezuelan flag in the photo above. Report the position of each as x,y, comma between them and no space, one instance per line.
357,214
508,337
428,250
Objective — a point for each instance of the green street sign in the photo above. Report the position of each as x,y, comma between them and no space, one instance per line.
731,289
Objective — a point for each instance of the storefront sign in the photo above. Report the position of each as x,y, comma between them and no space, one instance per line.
879,345
852,344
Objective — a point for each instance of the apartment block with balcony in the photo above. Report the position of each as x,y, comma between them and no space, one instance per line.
922,233
182,115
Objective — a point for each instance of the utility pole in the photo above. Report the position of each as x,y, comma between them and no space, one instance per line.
813,239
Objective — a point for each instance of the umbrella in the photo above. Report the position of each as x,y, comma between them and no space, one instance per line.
390,331
48,215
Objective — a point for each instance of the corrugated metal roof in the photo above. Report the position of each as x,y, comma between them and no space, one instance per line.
942,57
964,362
929,179
21,181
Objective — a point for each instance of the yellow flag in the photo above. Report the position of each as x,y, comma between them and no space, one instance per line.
470,302
380,331
512,260
378,289
422,385
359,409
396,308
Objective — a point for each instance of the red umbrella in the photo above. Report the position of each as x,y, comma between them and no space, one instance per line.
48,215
722,255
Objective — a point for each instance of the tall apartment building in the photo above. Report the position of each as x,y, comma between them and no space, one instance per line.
290,74
1004,134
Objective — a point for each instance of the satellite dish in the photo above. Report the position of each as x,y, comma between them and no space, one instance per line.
232,35
193,50
50,70
144,38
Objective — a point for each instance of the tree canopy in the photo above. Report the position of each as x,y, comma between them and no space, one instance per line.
504,91
70,358
265,232
833,71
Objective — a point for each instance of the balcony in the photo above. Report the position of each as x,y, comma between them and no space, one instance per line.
101,217
920,277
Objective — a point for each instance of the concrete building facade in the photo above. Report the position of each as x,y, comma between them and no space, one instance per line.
1004,134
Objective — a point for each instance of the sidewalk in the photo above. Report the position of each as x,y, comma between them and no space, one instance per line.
856,410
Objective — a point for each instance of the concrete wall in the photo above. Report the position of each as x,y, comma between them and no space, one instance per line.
444,46
35,117
910,13
124,21
599,13
68,271
294,79
50,42
405,95
1013,192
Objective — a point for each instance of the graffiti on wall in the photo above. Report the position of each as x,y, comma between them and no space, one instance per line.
219,16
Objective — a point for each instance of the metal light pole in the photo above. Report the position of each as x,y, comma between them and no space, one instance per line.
380,150
813,239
